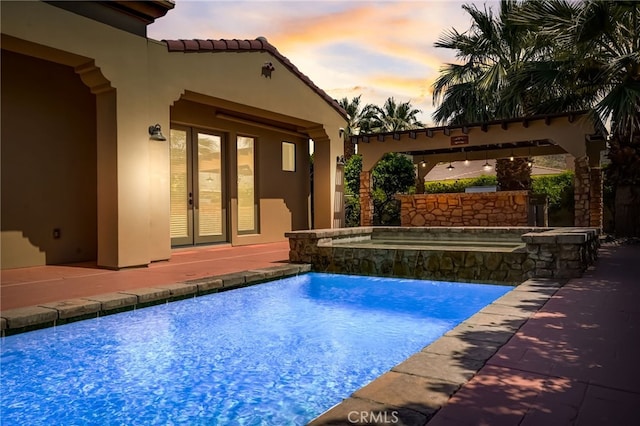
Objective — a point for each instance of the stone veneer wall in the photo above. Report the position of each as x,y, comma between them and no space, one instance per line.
503,208
588,203
581,192
549,252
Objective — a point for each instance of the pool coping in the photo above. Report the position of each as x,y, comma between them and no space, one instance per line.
51,314
411,392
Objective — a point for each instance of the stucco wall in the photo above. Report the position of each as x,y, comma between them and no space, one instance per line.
48,164
135,82
505,208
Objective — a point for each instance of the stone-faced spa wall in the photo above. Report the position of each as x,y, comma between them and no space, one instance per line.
504,208
544,253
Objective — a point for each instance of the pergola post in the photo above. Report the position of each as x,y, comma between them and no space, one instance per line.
596,207
366,199
588,194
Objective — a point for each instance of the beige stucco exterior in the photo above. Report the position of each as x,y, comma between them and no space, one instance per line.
120,84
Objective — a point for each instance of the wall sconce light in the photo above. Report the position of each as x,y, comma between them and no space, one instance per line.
466,158
155,133
340,161
486,166
423,163
450,167
341,132
267,69
511,157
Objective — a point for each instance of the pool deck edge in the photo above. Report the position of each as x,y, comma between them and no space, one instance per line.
414,390
23,319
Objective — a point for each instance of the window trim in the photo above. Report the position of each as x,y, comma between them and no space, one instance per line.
293,146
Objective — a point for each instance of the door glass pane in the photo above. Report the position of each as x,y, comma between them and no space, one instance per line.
246,185
179,184
209,185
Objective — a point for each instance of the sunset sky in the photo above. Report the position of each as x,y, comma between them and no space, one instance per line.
377,49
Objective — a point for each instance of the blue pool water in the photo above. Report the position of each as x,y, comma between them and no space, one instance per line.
277,353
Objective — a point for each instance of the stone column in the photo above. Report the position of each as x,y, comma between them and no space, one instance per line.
595,198
421,172
582,191
366,199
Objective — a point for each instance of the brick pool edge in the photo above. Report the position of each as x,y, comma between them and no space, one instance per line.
20,320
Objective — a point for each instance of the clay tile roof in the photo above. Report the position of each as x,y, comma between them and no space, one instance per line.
232,44
175,45
219,45
205,44
260,44
244,44
255,44
191,45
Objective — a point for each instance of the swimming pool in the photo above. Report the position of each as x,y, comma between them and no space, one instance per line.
278,353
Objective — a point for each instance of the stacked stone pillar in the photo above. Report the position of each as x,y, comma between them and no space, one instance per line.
366,199
581,192
596,209
588,194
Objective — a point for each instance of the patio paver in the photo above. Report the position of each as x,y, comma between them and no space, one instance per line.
574,362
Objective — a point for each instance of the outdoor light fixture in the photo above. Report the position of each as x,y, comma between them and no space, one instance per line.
450,167
529,159
423,163
340,161
511,158
155,133
486,166
466,158
267,69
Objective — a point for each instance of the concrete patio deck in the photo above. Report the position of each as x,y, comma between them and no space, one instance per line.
34,286
573,362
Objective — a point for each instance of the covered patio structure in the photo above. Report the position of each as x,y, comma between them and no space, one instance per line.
580,134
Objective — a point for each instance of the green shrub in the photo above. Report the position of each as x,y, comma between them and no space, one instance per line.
557,188
351,210
443,187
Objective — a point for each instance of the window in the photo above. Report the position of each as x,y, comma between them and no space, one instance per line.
247,214
288,157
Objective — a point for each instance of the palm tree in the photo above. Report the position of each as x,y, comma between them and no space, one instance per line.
491,51
359,120
395,117
594,63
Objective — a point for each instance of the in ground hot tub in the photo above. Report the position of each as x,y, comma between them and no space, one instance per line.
504,255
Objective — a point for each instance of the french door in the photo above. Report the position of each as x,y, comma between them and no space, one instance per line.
198,199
